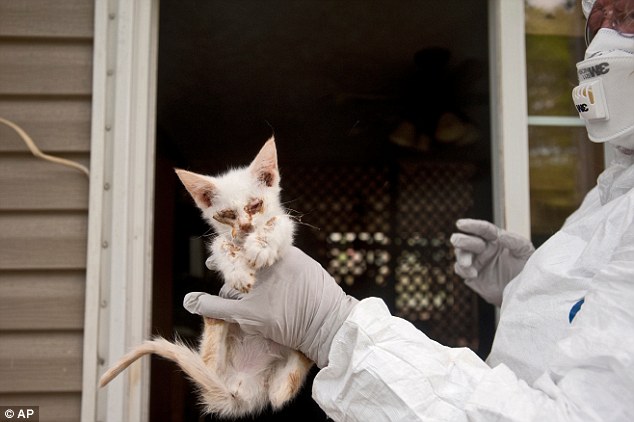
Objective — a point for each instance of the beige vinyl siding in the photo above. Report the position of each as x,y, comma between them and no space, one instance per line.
58,124
45,87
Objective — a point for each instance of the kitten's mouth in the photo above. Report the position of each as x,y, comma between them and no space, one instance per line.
242,230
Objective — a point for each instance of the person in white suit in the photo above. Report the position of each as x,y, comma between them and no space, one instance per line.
564,346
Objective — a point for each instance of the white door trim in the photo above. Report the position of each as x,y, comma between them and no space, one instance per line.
509,116
119,267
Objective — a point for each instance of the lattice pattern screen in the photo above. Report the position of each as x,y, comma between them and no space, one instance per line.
431,198
384,231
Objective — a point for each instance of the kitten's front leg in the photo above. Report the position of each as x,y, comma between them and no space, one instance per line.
227,258
263,247
241,278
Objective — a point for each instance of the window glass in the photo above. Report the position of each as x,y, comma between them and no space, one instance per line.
563,163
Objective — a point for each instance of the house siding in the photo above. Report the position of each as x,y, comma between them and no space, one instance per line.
45,87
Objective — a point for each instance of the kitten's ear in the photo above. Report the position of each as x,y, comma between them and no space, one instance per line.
264,166
200,187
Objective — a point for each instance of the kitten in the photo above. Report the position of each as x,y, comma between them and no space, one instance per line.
236,373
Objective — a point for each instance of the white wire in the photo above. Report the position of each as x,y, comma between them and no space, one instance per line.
38,153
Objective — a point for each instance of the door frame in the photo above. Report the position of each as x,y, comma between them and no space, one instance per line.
121,206
119,267
509,116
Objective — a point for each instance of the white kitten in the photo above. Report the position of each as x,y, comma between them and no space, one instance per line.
237,373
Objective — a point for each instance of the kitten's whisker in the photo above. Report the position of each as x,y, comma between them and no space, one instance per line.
209,233
224,233
353,127
296,212
298,219
213,236
297,216
292,200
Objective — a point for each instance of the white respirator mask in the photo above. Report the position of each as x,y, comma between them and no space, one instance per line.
605,95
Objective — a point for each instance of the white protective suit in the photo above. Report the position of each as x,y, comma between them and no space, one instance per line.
542,367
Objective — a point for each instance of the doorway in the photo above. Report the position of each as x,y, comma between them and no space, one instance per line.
381,115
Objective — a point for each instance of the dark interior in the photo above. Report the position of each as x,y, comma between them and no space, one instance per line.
380,111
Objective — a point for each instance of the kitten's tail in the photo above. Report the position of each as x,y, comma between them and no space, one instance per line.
218,399
178,353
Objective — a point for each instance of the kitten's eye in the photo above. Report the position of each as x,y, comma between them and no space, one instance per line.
254,207
225,216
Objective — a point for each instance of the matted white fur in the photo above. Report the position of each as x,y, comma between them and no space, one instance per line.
237,374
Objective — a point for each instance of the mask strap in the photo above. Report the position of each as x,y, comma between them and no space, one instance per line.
587,34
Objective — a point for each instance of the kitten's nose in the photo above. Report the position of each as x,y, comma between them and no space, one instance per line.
246,227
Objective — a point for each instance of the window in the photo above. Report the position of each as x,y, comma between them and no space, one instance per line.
563,163
383,230
381,118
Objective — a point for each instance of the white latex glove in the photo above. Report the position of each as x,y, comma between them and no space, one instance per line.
488,257
295,302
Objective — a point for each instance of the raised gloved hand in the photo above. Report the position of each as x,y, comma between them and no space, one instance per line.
488,257
295,302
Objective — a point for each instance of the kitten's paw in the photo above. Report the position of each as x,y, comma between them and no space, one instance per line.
259,253
241,280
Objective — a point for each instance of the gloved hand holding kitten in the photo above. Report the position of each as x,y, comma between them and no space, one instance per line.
294,302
